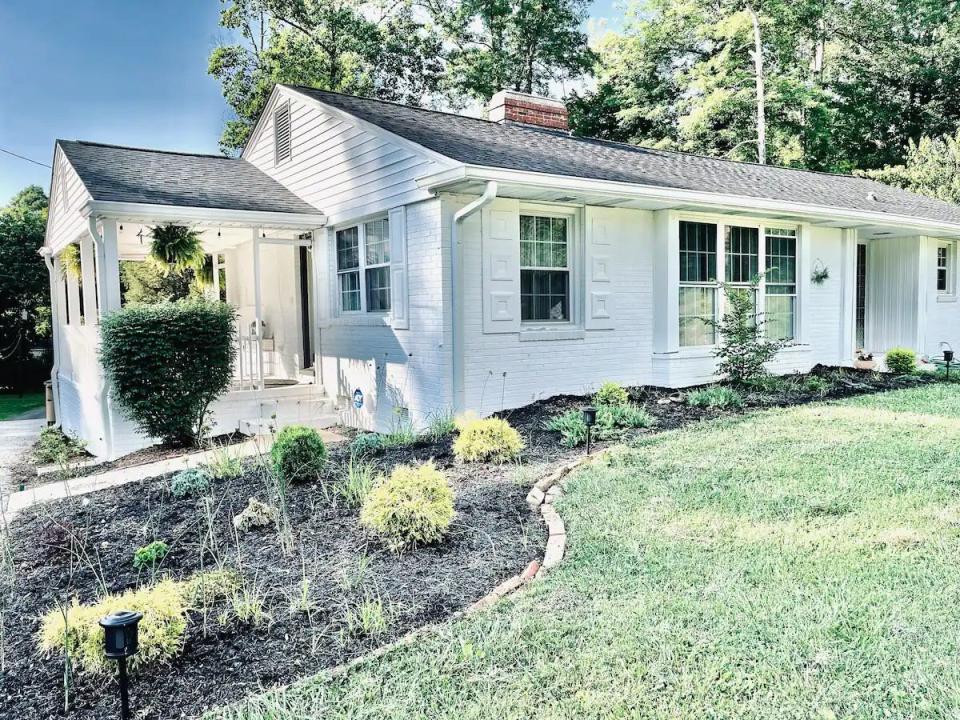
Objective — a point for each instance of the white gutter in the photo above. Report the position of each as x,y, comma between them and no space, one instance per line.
674,196
456,272
47,255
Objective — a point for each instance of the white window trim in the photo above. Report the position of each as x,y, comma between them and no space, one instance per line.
950,293
376,317
723,222
538,329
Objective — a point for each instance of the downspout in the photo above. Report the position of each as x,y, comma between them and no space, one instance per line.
456,272
47,255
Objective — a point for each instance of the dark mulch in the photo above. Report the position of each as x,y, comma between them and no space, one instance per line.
494,537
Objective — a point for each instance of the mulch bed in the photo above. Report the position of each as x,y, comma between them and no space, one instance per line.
495,536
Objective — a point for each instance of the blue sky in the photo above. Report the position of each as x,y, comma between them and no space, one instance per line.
130,72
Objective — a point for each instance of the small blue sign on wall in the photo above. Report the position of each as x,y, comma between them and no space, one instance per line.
358,398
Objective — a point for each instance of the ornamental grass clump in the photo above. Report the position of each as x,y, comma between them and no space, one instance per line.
717,396
161,633
167,363
487,440
901,361
411,507
298,454
612,422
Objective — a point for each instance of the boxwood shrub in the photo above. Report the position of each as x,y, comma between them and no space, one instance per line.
167,362
901,361
298,454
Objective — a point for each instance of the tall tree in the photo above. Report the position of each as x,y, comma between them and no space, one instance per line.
932,167
24,282
339,45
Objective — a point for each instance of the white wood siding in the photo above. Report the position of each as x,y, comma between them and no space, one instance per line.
339,164
65,224
893,286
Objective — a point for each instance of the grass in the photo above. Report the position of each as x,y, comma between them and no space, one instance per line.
796,563
12,405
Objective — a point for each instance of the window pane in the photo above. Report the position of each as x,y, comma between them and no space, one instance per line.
378,289
779,316
543,242
544,295
377,242
781,263
348,252
942,265
697,309
743,254
698,252
350,291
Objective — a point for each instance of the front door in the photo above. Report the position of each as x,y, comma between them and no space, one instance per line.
304,267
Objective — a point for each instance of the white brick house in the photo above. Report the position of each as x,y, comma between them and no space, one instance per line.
411,262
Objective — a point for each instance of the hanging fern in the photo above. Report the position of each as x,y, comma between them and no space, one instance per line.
177,247
70,261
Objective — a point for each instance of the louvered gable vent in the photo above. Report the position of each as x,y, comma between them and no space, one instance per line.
281,133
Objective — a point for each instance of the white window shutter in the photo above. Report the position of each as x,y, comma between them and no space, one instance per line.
602,226
501,267
399,297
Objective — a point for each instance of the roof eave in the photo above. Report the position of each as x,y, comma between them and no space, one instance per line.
147,212
446,178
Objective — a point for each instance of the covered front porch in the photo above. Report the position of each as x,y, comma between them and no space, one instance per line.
262,265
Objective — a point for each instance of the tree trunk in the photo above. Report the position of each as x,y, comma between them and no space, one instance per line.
761,88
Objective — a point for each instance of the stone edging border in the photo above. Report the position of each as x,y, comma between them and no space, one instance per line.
541,497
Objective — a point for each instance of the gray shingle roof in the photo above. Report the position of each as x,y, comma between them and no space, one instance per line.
517,147
158,177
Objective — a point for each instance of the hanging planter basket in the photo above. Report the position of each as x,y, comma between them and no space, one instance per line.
177,247
820,274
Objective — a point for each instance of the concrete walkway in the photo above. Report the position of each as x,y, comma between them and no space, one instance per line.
16,437
121,476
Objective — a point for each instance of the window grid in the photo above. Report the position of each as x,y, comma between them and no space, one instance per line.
780,283
698,292
544,269
742,257
363,267
943,269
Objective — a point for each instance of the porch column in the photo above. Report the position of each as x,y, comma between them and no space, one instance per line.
108,270
258,304
216,276
848,300
89,281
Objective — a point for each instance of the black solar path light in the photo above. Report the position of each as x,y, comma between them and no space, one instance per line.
589,419
947,355
120,641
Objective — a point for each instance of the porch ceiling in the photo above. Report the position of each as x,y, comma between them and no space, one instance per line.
134,237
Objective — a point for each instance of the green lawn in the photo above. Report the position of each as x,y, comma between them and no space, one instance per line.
13,405
796,563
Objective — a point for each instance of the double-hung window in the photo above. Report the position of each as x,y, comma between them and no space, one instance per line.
944,269
742,260
698,287
544,269
780,281
363,267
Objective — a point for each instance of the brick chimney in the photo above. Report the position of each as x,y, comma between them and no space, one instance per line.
511,106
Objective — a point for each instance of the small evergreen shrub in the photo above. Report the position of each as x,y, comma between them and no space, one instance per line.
414,506
256,514
55,446
298,454
192,481
487,440
149,556
901,361
717,396
570,425
161,632
367,444
612,394
167,362
744,348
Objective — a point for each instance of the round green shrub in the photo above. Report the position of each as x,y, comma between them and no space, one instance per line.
611,394
298,454
192,481
414,506
487,440
901,361
366,444
166,363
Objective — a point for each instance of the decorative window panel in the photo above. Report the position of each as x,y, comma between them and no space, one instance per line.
544,269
